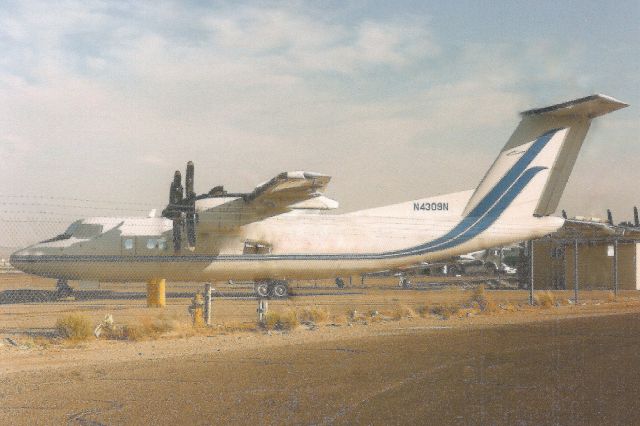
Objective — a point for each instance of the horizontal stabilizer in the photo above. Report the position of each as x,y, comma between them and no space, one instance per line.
588,107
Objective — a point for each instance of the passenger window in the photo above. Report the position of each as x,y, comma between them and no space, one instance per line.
256,247
128,244
162,244
151,243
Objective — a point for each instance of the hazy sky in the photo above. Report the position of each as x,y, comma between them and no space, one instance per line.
103,100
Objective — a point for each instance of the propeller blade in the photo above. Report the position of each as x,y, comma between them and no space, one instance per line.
189,180
191,230
636,220
609,217
177,235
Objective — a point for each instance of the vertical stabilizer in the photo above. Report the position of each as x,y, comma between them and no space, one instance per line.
545,144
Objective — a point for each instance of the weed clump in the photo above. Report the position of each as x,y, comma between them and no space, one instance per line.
312,315
75,327
481,300
287,320
544,299
402,311
422,310
445,311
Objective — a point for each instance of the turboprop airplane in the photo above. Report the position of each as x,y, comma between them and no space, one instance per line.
277,232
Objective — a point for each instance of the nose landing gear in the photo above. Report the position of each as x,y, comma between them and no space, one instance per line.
63,289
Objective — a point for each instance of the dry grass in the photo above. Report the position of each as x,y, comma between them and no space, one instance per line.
611,297
354,315
479,299
287,320
544,299
75,327
340,319
445,311
238,327
149,328
402,311
509,307
422,310
313,315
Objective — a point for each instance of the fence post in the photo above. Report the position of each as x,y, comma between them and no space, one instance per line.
575,271
615,267
263,309
207,304
531,273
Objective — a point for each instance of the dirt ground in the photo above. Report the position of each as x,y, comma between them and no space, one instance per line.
569,364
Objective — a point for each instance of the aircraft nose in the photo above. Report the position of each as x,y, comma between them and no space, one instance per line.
21,259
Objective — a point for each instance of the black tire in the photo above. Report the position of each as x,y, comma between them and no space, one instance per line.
339,282
280,290
262,289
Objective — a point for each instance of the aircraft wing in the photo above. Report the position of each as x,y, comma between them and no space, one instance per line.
287,189
286,192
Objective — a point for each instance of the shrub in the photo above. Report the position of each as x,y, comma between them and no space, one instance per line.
75,327
422,310
445,311
287,320
402,311
312,314
132,332
480,300
544,299
154,326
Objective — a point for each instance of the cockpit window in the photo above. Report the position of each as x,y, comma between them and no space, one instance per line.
65,235
87,230
78,230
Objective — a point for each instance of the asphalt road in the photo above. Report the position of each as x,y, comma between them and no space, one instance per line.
568,372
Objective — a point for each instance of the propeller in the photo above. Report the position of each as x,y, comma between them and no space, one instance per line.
182,208
564,214
636,220
609,217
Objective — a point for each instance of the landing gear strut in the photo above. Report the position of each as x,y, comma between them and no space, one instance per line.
63,289
274,289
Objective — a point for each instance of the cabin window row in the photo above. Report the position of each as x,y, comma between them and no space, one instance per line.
152,243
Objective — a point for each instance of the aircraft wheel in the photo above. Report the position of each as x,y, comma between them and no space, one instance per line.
280,290
262,289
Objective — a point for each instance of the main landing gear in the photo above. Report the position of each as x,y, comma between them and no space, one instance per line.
271,288
63,289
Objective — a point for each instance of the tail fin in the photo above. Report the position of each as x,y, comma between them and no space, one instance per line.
535,164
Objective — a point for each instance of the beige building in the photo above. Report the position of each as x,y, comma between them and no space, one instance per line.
605,254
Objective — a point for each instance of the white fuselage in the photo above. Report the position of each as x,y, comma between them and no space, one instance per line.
290,246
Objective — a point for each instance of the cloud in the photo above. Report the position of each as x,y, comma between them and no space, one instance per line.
385,102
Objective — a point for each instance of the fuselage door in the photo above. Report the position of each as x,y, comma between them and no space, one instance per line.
128,246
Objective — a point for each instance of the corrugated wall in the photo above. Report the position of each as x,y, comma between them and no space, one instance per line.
554,266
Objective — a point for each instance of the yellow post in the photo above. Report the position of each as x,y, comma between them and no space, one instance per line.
156,293
197,310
